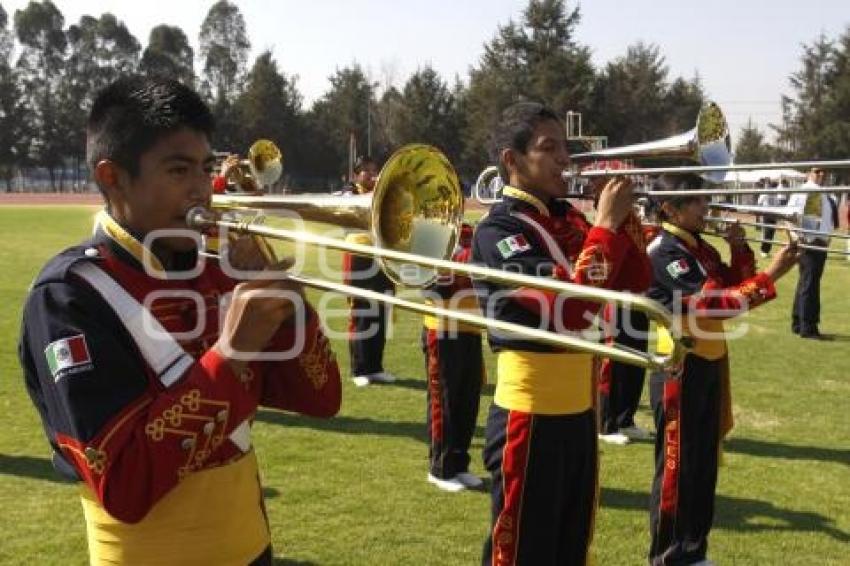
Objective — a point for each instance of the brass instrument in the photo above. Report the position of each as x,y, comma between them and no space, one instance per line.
414,216
707,144
703,150
262,167
795,233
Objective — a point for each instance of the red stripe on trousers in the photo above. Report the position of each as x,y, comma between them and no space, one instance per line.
672,451
434,387
514,467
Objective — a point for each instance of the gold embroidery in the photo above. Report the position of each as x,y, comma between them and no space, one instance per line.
192,399
595,265
315,362
96,459
174,419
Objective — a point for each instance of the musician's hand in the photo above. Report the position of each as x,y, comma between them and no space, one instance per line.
783,261
735,234
244,253
256,311
229,163
616,202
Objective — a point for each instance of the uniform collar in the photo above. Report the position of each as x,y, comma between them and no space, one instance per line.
681,233
526,197
126,241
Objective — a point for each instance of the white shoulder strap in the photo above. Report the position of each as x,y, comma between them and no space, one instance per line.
161,351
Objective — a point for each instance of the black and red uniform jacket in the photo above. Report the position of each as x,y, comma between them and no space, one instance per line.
105,420
690,277
517,236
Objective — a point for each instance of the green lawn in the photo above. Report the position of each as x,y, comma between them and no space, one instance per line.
352,490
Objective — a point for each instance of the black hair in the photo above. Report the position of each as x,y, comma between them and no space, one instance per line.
362,161
671,182
515,128
130,115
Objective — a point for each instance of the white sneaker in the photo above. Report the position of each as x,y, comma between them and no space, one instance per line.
382,377
361,380
636,433
615,438
453,485
705,562
469,480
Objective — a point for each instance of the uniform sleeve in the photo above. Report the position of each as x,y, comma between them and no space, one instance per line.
682,285
307,381
128,436
512,246
741,267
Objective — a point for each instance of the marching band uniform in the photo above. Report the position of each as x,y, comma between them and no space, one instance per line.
541,430
693,411
620,384
454,366
368,320
149,419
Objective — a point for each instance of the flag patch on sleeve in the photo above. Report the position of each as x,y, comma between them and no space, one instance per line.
68,355
678,268
513,245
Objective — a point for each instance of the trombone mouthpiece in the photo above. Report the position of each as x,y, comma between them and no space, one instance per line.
199,217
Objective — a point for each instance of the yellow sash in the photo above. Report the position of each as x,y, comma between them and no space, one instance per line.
467,303
214,516
712,347
544,383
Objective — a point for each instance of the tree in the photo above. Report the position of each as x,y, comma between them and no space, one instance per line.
682,103
751,147
169,53
344,111
816,115
629,99
269,108
11,111
100,50
224,50
39,31
537,59
428,114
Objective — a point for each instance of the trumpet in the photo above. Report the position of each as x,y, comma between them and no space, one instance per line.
414,218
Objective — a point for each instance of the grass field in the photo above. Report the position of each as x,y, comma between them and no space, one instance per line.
352,490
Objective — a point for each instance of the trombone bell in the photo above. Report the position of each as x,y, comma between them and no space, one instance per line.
416,207
708,143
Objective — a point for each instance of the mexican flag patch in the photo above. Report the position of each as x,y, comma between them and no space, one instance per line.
678,267
513,245
70,353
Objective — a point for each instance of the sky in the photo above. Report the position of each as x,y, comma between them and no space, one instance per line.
743,50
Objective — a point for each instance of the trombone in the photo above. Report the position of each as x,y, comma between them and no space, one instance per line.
705,148
413,216
793,232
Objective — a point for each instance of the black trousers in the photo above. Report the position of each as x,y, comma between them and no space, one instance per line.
455,369
618,402
543,494
687,417
767,234
805,314
368,323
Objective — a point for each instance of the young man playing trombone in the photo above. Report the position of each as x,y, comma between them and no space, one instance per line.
540,445
693,410
145,393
